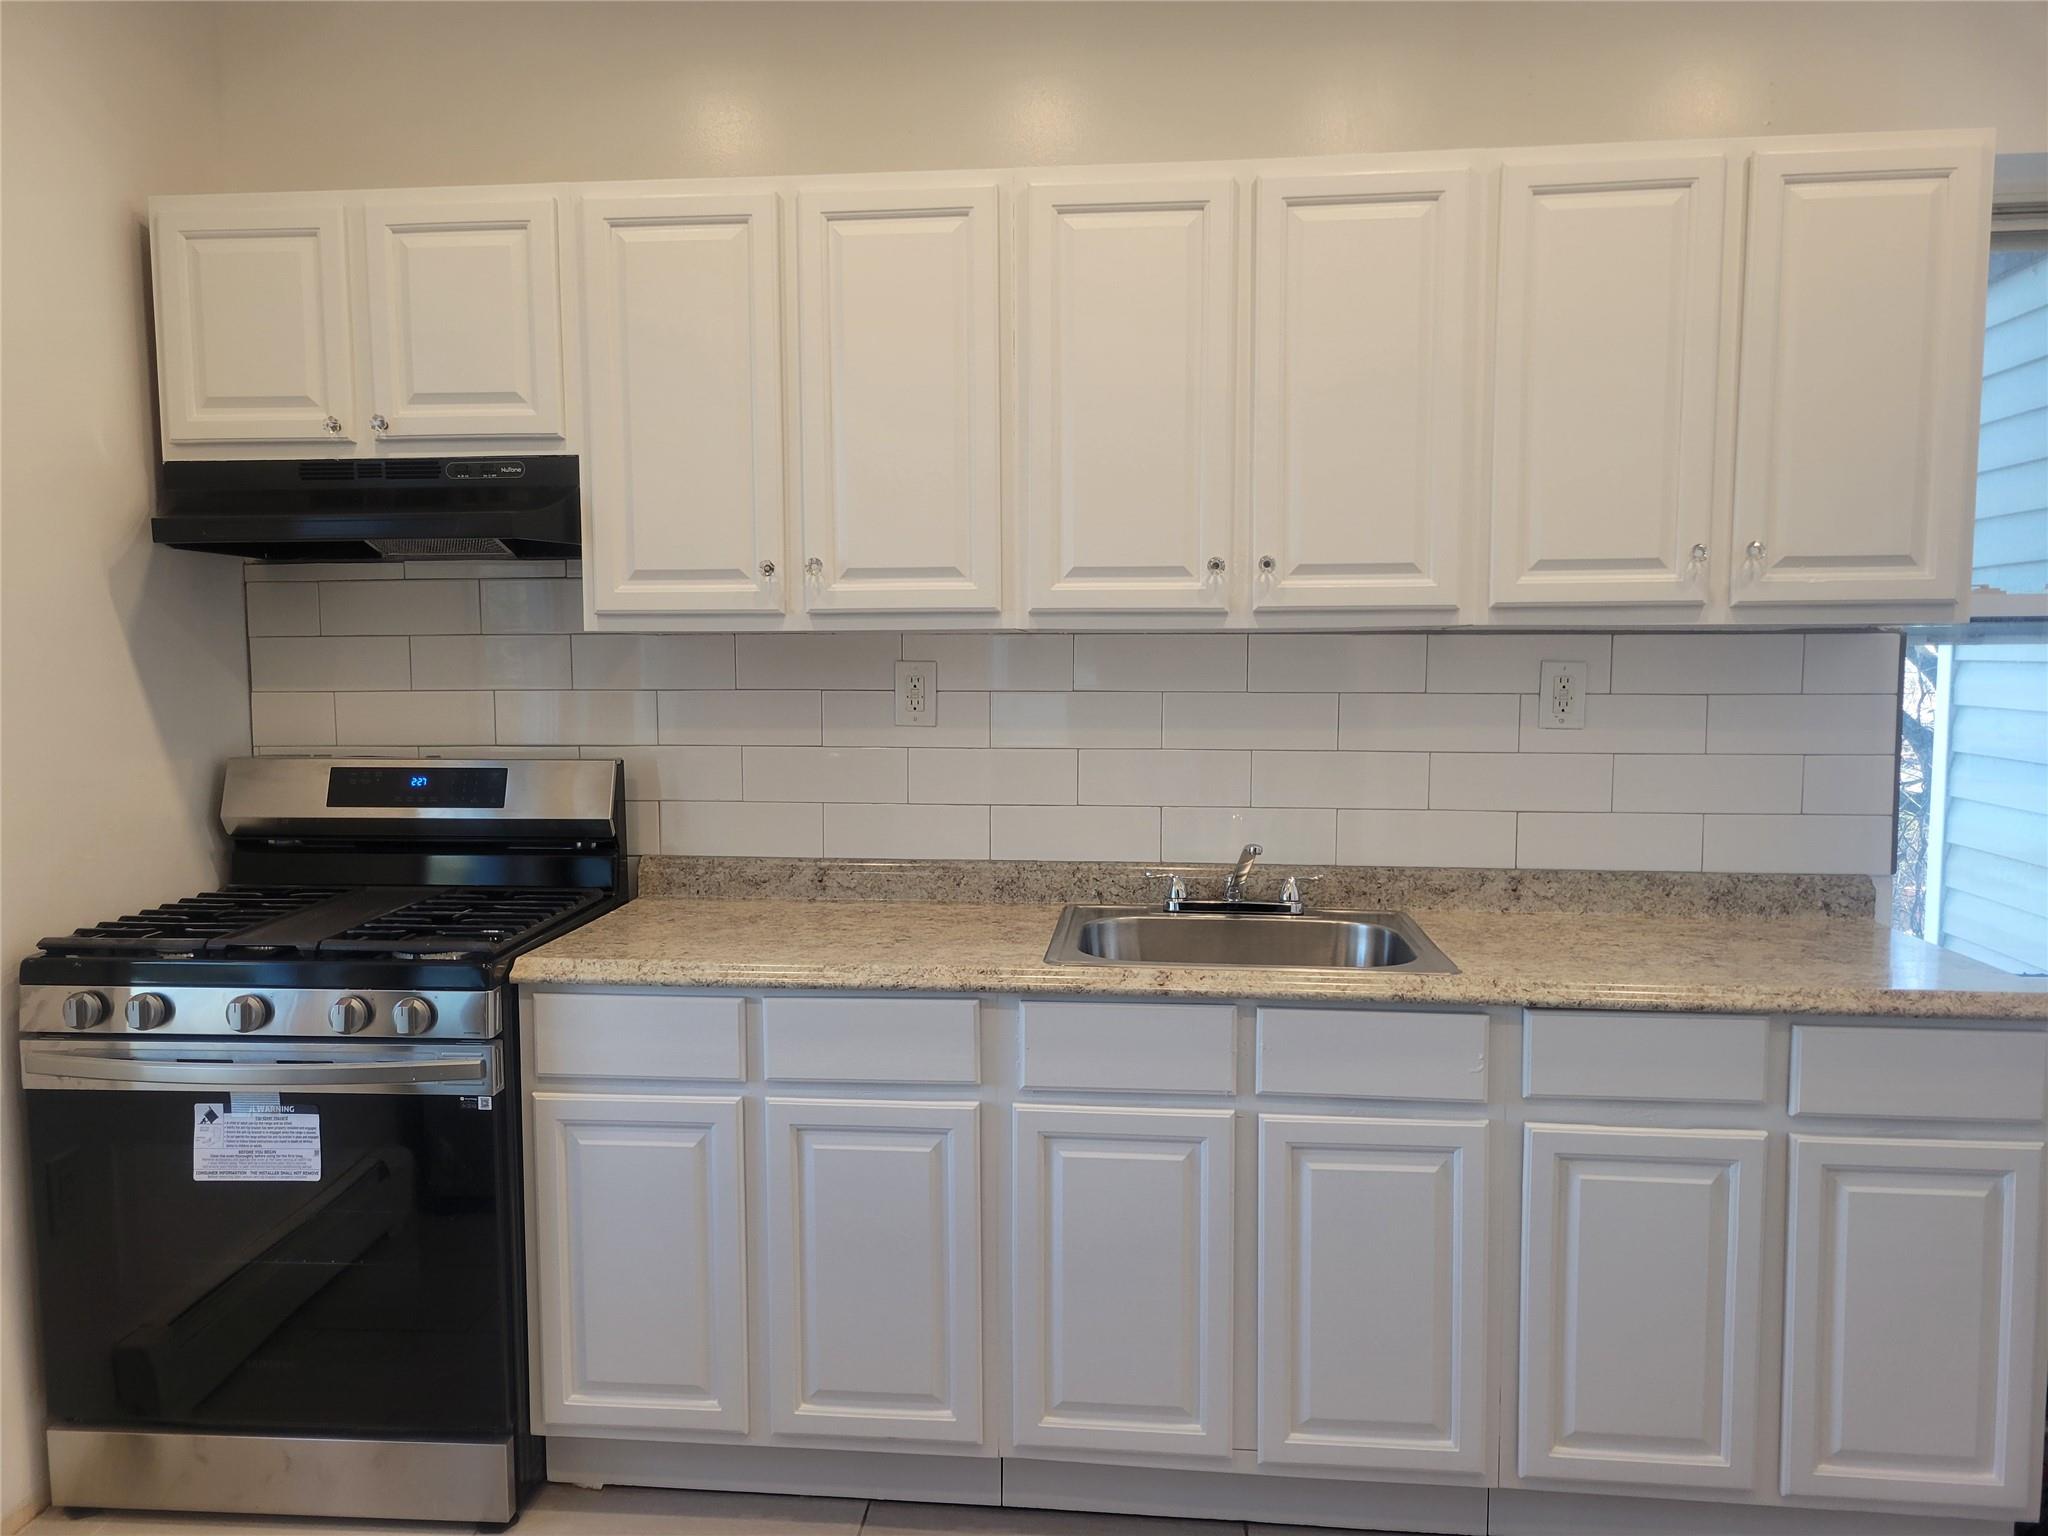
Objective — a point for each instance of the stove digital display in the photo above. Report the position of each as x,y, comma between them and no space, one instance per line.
423,788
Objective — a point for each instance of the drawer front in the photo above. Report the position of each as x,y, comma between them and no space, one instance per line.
1927,1074
1712,1058
1141,1047
642,1035
870,1040
1373,1053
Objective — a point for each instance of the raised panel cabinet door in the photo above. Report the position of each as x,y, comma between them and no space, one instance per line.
1862,330
1607,366
1128,329
684,477
640,1279
874,1270
1642,1284
1910,1316
465,319
1362,387
252,321
901,366
1372,1293
1121,1285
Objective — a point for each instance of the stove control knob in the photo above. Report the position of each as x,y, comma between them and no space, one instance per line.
82,1010
146,1010
348,1015
412,1015
248,1012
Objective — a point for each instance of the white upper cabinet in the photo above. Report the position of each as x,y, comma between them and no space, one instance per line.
1607,362
1129,299
1911,1301
465,319
1362,386
900,361
253,339
684,471
1862,330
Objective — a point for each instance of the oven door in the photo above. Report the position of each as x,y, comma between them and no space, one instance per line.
290,1239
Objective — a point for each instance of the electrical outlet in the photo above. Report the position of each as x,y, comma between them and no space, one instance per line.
1563,699
917,687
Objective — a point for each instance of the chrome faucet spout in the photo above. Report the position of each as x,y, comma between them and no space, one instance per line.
1233,883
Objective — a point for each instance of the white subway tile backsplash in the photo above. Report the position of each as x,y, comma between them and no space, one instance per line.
653,661
1000,776
1512,663
286,664
429,719
1574,840
283,608
1804,845
1138,663
1115,833
863,660
1845,724
1520,781
868,719
584,716
1737,663
1430,722
1337,663
522,607
906,831
1692,782
490,661
1074,719
324,570
727,717
1150,776
643,826
1866,663
1844,786
1623,722
1446,839
823,773
990,663
734,829
398,608
482,570
676,773
1341,780
291,720
1302,722
1205,835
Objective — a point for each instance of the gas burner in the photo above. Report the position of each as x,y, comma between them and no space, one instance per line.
190,926
461,922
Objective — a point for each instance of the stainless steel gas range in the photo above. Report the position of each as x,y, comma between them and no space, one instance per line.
274,1144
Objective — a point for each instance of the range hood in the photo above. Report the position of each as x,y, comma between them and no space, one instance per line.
472,508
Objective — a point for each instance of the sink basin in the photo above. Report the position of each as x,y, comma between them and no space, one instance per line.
1344,941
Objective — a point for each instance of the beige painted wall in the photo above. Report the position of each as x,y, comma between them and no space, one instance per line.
122,669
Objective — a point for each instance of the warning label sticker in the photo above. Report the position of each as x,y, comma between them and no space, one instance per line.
269,1144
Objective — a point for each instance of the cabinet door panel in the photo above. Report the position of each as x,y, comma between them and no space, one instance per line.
1607,366
252,321
1862,326
1362,386
641,1274
1372,1293
1642,1280
465,319
1122,1281
874,1270
1128,329
1909,1332
685,468
901,399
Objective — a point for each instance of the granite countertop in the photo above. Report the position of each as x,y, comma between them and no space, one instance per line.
1727,964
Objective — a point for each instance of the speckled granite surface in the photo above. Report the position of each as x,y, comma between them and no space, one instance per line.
1349,887
1801,965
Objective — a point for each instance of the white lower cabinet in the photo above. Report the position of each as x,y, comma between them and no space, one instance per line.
874,1269
1912,1293
641,1280
1372,1293
1121,1280
1642,1292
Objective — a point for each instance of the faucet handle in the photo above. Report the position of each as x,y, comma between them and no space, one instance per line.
1176,885
1291,891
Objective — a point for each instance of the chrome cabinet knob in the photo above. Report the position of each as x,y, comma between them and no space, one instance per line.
1268,564
248,1012
1699,554
148,1010
768,570
814,566
1215,565
348,1015
82,1010
379,424
333,426
412,1015
1756,549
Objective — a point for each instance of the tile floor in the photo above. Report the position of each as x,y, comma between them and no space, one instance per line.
560,1511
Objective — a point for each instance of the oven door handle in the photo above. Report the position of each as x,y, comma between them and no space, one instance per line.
65,1066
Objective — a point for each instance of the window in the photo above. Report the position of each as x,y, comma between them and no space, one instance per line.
2011,553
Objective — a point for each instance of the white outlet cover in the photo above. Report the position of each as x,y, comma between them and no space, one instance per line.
917,693
1561,703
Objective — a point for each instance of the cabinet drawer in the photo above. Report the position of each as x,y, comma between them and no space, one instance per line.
638,1035
1715,1058
1933,1074
869,1040
1144,1047
1372,1053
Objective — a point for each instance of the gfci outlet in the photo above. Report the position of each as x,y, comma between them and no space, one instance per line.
917,685
1563,697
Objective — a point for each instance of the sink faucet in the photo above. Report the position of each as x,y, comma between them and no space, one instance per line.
1233,883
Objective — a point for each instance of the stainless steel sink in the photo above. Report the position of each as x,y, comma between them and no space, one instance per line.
1344,941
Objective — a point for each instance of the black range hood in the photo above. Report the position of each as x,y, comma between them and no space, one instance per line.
473,508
